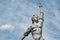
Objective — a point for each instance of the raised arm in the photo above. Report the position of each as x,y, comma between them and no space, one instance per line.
41,17
41,12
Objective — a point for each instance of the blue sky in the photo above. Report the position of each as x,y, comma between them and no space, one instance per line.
15,18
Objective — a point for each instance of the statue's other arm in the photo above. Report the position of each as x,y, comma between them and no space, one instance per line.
26,33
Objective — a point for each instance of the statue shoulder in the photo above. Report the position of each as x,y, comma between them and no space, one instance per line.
30,26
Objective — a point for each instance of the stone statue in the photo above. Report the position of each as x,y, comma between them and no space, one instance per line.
36,28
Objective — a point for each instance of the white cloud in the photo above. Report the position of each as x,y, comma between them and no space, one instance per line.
7,27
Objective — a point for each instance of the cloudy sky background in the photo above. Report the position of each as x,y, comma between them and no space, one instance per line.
15,18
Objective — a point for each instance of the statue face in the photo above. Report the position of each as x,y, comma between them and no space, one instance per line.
35,18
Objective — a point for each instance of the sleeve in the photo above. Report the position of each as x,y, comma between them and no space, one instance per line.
27,31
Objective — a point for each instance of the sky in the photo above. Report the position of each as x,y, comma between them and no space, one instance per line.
15,18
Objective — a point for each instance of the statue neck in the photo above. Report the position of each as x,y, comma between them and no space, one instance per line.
35,23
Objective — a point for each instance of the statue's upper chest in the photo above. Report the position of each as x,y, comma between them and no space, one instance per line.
37,25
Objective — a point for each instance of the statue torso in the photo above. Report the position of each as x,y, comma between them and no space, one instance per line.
36,30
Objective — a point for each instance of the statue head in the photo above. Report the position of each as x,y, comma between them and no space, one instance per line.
35,19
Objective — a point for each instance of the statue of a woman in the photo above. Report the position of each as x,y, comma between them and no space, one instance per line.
36,28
